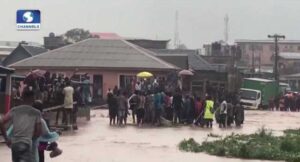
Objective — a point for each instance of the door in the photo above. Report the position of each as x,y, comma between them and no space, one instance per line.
97,88
127,83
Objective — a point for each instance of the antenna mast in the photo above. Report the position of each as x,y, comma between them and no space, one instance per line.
176,34
226,30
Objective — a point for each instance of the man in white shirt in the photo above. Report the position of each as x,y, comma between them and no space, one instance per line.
223,114
138,86
68,102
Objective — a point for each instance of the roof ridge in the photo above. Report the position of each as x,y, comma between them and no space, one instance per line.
9,56
23,45
49,52
149,55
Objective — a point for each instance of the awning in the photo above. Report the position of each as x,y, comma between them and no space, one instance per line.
5,70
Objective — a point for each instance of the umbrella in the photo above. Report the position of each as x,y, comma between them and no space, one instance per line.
144,74
35,74
185,72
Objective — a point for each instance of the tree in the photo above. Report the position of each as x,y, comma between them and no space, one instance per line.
76,35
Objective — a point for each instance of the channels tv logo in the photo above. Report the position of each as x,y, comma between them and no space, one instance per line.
28,19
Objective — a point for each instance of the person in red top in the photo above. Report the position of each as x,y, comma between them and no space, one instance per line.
198,111
168,106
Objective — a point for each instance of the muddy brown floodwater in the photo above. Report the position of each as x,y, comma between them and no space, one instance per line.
96,141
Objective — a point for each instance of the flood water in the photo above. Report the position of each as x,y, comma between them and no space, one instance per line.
96,141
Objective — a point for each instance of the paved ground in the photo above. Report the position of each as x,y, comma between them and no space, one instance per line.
96,141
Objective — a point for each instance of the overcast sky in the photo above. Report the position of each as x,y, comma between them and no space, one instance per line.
200,21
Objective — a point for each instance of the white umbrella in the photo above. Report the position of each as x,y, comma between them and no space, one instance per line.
185,72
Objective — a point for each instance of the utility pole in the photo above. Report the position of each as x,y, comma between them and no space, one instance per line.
276,37
253,65
259,66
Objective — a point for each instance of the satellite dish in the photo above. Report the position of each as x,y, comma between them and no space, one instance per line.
51,34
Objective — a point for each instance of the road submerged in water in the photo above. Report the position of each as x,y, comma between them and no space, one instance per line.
96,141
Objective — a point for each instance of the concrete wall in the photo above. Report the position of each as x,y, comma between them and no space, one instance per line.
264,51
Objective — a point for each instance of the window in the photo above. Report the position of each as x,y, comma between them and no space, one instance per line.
251,47
259,47
255,47
243,48
77,77
248,94
126,81
258,95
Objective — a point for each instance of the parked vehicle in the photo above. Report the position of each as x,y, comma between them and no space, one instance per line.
284,87
256,92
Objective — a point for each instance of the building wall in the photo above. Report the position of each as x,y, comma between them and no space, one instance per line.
263,52
227,60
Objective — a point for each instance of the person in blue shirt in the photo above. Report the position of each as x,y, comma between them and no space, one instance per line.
158,104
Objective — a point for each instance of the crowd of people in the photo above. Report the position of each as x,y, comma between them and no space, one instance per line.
28,114
54,90
28,134
162,107
287,102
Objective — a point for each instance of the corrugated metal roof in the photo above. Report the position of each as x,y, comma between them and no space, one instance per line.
289,55
96,53
34,50
5,70
178,60
196,62
23,51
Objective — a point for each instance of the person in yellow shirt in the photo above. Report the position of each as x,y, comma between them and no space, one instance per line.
209,112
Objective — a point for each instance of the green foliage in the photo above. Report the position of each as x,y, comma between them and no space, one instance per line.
292,131
189,145
260,145
76,35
